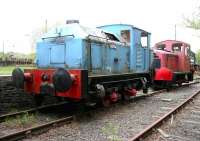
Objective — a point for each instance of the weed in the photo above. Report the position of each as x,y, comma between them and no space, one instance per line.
22,120
111,131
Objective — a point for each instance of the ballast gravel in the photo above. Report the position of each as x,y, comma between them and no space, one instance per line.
121,121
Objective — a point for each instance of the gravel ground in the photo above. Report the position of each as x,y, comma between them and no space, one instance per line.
185,126
121,121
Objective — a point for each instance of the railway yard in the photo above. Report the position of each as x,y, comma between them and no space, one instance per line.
71,71
98,84
158,115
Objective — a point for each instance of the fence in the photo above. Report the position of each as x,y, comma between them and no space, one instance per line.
15,61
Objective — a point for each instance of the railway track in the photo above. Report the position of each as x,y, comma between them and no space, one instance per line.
144,133
29,111
183,126
49,125
35,129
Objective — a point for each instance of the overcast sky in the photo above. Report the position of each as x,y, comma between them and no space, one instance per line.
20,17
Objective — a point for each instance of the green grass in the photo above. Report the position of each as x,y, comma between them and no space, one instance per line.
21,121
7,70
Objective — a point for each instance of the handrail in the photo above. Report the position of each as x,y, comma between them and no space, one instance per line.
97,36
59,36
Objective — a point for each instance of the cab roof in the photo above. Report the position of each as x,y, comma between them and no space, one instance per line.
76,30
127,25
172,42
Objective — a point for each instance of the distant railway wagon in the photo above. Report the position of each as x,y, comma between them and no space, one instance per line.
77,63
172,63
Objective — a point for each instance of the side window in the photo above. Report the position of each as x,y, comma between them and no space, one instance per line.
161,47
111,37
187,51
125,35
144,39
176,47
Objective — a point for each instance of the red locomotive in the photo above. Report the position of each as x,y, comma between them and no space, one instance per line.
171,64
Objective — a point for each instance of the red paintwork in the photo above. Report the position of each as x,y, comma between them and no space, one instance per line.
168,60
163,74
34,86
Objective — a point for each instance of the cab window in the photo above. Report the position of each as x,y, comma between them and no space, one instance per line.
125,36
144,39
177,47
187,51
111,37
161,47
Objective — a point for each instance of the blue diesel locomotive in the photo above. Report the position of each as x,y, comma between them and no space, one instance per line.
104,64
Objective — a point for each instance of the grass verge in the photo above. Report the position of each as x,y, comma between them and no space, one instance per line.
7,70
21,121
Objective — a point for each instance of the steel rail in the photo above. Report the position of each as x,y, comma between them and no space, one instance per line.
37,129
32,110
144,133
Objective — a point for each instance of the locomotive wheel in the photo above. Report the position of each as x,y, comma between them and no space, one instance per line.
38,99
18,78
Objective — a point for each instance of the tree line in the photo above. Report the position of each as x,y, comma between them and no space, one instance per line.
194,23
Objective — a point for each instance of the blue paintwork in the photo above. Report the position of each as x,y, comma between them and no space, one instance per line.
75,47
